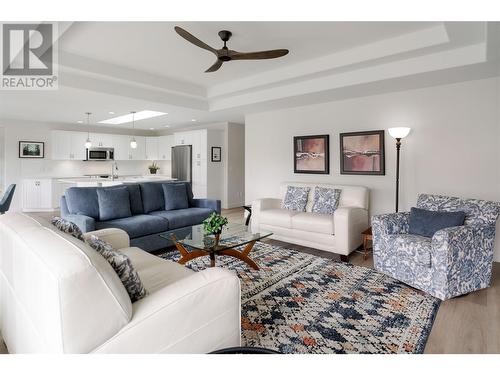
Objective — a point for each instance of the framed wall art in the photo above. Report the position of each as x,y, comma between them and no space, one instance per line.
216,154
31,150
312,154
362,153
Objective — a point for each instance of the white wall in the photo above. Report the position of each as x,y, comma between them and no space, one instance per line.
16,169
2,163
453,148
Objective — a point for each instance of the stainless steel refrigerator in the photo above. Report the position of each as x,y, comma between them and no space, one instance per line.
181,163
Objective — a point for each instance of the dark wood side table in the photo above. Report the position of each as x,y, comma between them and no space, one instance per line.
249,209
367,236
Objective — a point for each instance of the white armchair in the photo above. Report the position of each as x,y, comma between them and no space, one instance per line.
338,233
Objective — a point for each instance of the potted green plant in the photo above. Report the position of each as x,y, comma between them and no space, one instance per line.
214,225
153,168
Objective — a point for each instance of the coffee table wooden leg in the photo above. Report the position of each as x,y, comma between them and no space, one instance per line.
212,259
365,245
242,255
186,256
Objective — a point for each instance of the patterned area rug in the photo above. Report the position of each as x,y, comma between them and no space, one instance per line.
301,303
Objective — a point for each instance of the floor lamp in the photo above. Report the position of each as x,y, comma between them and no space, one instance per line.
398,134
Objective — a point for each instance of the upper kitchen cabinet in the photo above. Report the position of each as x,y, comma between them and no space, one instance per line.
102,140
121,144
165,144
183,138
138,153
68,145
152,148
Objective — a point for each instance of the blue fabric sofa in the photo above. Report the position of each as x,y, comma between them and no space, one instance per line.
146,217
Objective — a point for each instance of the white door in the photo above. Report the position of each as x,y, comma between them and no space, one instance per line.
152,148
165,144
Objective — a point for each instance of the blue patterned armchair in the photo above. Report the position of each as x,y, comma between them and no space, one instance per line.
453,262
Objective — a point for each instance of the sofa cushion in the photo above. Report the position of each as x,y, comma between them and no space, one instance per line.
82,201
184,217
113,203
136,226
426,223
122,266
412,248
296,198
134,191
155,272
152,196
326,200
67,227
279,217
175,196
313,222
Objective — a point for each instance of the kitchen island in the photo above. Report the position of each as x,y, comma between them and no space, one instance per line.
108,181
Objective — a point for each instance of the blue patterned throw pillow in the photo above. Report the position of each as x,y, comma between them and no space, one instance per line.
326,200
67,227
296,198
122,266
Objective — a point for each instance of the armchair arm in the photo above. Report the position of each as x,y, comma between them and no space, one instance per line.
386,224
197,314
85,223
213,204
461,259
349,222
117,238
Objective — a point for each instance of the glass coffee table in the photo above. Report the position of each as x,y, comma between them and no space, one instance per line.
193,242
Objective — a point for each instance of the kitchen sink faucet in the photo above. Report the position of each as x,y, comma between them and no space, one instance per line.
114,169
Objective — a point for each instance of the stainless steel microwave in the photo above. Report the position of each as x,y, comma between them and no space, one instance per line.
100,153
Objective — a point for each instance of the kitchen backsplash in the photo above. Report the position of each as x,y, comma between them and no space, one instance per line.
63,168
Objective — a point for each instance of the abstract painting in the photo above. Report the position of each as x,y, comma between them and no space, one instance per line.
362,153
29,149
311,154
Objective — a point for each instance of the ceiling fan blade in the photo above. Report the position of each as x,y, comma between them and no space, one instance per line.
260,55
215,67
192,39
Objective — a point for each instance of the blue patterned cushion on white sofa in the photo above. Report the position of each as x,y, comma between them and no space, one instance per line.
326,200
296,198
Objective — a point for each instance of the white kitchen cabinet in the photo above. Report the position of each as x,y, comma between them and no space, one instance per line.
101,139
138,153
165,144
151,148
121,144
37,195
183,138
68,145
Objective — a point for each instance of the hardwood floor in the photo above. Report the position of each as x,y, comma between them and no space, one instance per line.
468,324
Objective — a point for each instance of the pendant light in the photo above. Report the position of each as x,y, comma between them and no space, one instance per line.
88,142
133,142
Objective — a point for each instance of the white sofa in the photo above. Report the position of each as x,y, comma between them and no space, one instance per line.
338,233
58,295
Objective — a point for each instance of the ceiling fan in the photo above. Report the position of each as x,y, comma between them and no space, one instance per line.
225,54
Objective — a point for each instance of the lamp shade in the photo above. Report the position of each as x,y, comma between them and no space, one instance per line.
133,143
399,132
88,143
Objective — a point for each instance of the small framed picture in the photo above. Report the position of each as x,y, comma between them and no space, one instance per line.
31,150
362,153
216,154
311,154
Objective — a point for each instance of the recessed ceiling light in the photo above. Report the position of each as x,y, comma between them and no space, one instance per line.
80,121
193,119
151,128
166,126
111,113
142,115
